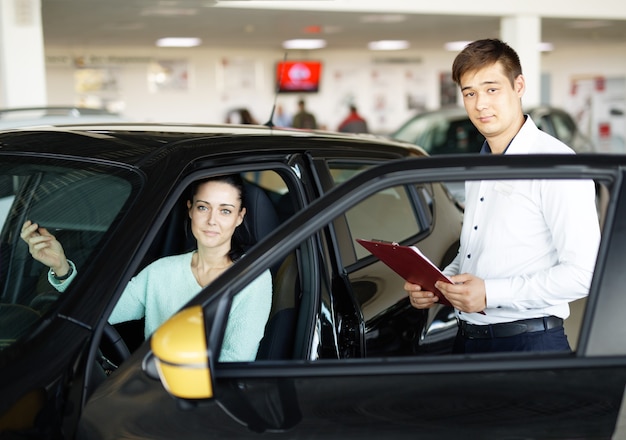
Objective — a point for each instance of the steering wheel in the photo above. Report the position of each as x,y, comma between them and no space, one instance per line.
14,319
111,345
112,339
115,349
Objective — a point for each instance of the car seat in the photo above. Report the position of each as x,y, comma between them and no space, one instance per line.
279,335
261,219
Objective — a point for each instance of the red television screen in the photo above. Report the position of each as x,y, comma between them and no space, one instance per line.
298,76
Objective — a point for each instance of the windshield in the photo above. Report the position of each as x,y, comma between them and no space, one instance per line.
75,203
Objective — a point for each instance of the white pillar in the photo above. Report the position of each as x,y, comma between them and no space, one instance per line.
523,33
22,59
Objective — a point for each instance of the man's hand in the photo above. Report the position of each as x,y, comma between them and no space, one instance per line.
467,294
420,299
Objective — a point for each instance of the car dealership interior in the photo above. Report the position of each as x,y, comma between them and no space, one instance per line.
117,55
163,137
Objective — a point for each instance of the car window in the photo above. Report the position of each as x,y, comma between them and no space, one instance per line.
340,172
76,205
439,134
463,137
423,130
564,127
377,289
387,216
269,180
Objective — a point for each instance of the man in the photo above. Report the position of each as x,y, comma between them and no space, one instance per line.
304,119
523,255
354,122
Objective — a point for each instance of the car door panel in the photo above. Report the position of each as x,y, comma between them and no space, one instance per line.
402,398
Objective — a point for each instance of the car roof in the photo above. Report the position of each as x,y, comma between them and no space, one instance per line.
130,143
456,113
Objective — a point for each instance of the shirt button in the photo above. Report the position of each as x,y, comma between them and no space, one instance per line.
476,228
469,255
482,199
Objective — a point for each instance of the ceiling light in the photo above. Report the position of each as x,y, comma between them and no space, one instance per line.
388,45
178,42
168,12
304,44
382,18
456,46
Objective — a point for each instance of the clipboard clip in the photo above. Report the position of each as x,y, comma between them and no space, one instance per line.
393,243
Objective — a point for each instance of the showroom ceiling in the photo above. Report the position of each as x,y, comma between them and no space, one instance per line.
91,23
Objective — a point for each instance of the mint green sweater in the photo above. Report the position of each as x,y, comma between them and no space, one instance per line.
165,285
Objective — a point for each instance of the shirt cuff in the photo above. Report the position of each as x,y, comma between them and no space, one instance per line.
497,292
62,285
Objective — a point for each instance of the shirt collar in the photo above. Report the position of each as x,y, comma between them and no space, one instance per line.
486,149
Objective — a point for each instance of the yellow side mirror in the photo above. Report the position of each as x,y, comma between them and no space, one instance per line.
180,352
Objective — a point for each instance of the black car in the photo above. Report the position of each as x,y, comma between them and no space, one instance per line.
114,196
450,131
344,357
343,354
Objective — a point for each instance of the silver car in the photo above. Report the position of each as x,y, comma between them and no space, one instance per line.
450,131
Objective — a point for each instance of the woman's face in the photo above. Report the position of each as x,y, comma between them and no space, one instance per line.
215,213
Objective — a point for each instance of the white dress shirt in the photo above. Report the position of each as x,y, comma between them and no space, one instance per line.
534,242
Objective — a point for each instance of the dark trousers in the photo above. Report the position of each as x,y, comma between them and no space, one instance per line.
548,340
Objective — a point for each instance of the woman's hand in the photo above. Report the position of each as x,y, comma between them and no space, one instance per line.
44,247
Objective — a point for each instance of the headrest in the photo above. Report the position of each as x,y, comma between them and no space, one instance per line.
261,217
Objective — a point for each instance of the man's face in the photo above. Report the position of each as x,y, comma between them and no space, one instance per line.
492,104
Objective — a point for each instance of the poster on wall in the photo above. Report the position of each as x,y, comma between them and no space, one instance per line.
597,104
95,80
415,84
168,75
239,81
97,88
346,81
448,90
386,82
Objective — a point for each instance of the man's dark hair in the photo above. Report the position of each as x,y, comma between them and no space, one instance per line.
484,53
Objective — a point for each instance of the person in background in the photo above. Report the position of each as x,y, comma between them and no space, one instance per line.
281,119
522,256
304,119
240,116
215,208
353,123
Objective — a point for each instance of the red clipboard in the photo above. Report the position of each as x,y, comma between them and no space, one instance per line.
410,263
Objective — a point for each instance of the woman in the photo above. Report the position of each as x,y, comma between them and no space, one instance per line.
215,209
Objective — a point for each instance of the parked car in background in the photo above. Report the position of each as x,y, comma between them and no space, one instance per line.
56,115
335,372
114,196
450,131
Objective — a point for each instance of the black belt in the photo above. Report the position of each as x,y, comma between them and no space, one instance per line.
507,329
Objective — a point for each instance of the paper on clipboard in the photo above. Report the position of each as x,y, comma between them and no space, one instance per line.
410,263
